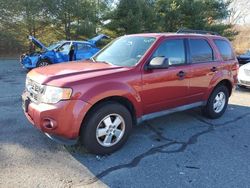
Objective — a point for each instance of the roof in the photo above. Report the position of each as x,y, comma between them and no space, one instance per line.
158,35
76,41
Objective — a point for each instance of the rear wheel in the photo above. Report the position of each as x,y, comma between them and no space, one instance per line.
43,63
217,102
106,128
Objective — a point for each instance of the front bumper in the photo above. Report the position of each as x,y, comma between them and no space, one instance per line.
28,62
244,83
244,80
63,119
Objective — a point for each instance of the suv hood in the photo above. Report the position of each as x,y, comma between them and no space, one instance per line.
63,73
37,43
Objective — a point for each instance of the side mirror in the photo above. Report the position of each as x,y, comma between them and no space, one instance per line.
158,63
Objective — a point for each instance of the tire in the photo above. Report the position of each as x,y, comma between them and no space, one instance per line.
105,117
221,96
42,63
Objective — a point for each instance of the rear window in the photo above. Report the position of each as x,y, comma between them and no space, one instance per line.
83,47
200,50
225,49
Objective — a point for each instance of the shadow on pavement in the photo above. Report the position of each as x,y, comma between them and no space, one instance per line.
167,135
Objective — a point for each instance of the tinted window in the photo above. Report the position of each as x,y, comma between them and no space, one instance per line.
174,50
200,50
65,48
225,49
83,47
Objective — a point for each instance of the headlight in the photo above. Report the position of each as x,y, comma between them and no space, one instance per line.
52,95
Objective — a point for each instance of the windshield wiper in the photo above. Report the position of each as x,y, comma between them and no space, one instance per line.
106,62
92,59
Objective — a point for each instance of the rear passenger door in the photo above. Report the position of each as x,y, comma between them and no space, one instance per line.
204,66
83,51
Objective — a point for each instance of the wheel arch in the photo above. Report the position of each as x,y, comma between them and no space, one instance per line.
116,99
228,84
44,58
225,82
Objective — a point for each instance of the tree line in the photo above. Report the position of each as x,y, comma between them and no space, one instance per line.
52,20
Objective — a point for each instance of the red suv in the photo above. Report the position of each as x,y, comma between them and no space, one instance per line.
134,78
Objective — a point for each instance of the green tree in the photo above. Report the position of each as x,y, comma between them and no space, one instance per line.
169,16
52,20
77,17
193,14
20,18
49,20
132,16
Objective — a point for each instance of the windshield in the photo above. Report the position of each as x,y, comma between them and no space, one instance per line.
125,51
54,45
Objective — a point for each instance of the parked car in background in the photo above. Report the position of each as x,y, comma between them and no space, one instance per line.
61,51
244,75
134,78
244,58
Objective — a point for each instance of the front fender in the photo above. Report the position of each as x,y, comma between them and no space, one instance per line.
113,89
49,55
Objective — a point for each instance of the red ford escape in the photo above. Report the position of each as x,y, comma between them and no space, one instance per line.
134,78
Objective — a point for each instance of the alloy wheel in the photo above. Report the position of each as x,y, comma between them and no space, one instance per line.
110,130
219,102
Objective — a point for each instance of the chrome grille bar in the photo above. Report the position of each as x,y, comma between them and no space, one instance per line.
34,89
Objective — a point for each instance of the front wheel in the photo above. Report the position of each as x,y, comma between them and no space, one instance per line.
43,63
106,128
217,102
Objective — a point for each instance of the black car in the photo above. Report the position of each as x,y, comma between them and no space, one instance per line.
244,58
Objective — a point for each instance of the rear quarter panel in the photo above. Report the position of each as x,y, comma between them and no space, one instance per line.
227,70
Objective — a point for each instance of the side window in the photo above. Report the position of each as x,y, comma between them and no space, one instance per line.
200,51
225,49
64,48
173,49
83,47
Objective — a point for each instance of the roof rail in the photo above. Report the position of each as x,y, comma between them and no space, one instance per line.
197,31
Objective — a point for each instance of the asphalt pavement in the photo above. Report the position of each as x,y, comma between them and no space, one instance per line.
179,150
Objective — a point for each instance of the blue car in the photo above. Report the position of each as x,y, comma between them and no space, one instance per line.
61,51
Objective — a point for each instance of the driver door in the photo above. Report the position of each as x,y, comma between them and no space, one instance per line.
62,53
167,88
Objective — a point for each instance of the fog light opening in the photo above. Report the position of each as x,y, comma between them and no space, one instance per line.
49,124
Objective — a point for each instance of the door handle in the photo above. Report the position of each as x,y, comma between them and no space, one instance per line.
181,74
214,69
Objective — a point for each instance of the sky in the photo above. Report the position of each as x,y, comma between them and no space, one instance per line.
240,7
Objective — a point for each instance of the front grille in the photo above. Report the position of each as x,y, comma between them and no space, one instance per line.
247,72
34,89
